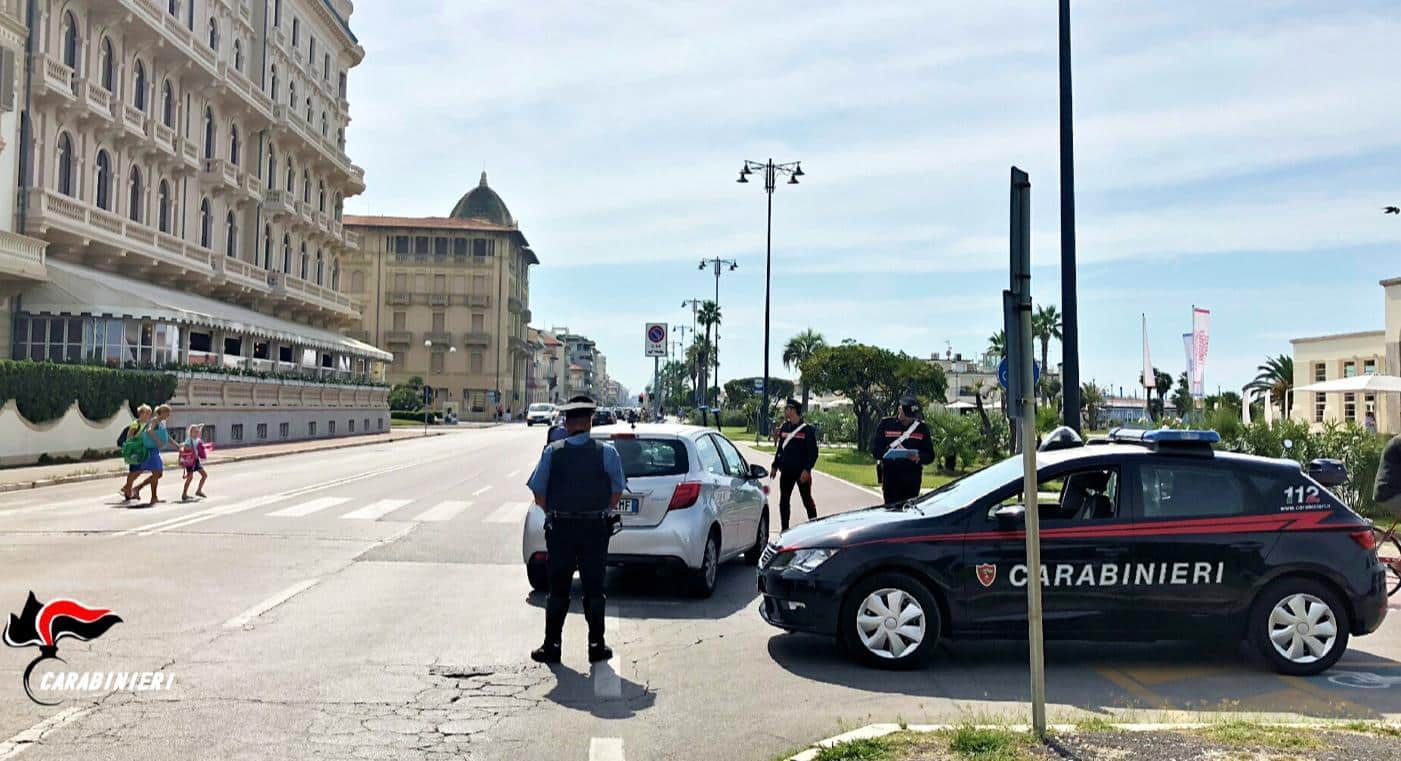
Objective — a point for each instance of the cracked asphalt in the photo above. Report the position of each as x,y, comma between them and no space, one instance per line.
370,603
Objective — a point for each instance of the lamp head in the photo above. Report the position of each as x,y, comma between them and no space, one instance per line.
734,266
799,171
743,177
793,180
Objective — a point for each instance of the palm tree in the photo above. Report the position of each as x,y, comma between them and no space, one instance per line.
797,351
997,344
709,316
1275,376
1162,382
1093,399
1045,325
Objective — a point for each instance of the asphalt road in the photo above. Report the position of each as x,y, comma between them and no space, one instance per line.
370,603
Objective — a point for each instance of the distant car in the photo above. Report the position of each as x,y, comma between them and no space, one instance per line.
1150,535
540,412
692,503
602,417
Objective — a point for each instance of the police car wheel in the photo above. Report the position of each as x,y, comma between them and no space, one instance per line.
761,539
538,576
890,620
1300,626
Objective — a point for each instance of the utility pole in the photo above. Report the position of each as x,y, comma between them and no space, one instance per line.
700,360
715,263
1070,327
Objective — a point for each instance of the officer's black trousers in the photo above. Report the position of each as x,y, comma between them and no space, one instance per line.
901,484
786,481
572,544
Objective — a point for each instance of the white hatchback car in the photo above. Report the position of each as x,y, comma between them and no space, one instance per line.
540,412
692,503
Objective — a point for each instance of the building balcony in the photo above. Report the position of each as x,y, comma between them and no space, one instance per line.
133,122
352,240
438,299
189,156
21,257
238,276
165,139
253,186
94,237
439,337
96,102
526,315
362,336
514,304
398,336
323,222
398,298
477,338
221,176
279,203
53,80
517,345
312,300
478,300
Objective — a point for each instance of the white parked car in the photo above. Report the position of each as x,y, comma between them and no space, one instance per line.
540,412
692,503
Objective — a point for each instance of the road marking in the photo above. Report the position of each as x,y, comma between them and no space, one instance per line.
511,512
247,616
1149,698
845,482
606,749
443,511
481,491
513,474
376,510
307,508
607,685
13,746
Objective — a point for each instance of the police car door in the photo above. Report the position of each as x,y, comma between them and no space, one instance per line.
1200,544
1082,555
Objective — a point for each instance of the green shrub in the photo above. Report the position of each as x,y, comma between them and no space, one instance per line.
957,439
414,415
44,391
1359,451
835,426
1047,418
737,419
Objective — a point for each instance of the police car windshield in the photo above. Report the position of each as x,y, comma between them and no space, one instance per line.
959,494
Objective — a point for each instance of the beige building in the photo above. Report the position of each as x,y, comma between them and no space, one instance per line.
1344,355
21,257
185,162
450,297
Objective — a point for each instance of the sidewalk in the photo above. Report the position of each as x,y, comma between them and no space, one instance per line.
36,476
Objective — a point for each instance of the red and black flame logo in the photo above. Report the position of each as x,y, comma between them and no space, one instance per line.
44,624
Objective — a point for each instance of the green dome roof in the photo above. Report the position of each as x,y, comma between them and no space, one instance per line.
482,203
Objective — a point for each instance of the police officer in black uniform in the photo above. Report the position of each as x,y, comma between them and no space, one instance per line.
578,482
794,459
907,442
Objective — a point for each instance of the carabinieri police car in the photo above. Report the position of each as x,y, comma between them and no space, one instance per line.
1148,535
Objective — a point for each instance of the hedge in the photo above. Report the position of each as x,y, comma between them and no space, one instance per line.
44,391
414,415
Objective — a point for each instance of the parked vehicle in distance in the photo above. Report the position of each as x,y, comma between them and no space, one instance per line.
540,412
692,503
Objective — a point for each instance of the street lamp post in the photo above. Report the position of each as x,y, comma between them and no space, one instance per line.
715,263
793,170
694,303
428,344
1070,320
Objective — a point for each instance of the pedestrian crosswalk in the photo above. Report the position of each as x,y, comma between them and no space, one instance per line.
307,508
444,511
376,510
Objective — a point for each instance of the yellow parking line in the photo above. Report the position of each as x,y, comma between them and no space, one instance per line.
1332,698
1130,685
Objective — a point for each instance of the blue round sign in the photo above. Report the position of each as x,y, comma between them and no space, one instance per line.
656,334
1002,372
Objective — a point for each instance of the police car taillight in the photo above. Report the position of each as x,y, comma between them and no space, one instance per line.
685,495
1365,539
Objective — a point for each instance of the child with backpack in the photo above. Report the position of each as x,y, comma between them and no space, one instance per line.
193,453
133,448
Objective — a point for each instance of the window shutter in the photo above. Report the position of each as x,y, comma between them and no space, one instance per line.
7,79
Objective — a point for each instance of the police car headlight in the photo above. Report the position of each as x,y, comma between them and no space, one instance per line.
808,560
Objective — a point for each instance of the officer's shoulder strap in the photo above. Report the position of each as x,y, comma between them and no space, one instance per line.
557,445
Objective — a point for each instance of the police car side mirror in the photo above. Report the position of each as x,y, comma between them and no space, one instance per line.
1008,513
758,472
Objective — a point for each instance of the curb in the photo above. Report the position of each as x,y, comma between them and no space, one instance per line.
80,478
871,731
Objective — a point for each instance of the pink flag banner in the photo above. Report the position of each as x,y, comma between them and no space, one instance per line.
1201,332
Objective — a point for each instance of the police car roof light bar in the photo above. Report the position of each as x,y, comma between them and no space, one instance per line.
1200,440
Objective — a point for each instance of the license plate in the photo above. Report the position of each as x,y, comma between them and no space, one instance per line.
627,505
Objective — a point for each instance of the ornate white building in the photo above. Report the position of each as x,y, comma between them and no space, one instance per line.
185,161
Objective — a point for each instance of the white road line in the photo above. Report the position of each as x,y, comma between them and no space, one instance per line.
606,749
513,474
376,510
243,619
845,482
511,512
307,508
607,685
15,745
443,511
481,491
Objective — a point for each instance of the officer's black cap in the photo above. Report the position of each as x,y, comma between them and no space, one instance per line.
911,407
795,405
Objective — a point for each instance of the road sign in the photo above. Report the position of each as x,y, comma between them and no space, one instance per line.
655,339
758,385
1002,372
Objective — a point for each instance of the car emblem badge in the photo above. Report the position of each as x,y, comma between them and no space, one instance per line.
987,574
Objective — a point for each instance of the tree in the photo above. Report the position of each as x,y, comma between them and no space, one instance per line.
997,344
1182,397
1093,399
407,396
1275,376
1045,325
709,316
798,349
1162,382
740,391
873,379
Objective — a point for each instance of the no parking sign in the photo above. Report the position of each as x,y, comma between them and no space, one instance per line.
655,339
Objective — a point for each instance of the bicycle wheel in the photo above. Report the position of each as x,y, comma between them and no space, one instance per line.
1389,553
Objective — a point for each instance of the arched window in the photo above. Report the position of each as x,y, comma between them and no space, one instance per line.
174,7
325,126
204,223
208,133
163,207
213,34
106,65
272,167
267,247
230,235
104,181
291,96
65,164
167,104
70,40
287,253
233,144
306,186
309,120
288,163
319,267
336,275
273,83
238,54
340,138
338,207
320,196
134,191
138,86
326,68
304,261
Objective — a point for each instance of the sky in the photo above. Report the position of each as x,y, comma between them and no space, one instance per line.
1234,156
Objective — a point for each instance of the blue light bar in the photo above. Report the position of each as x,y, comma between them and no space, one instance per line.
1165,436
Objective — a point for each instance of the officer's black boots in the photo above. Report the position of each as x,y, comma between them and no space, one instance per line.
593,612
546,653
555,611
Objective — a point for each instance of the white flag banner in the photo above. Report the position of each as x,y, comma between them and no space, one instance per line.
1201,330
1189,347
1245,406
1269,407
1148,379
